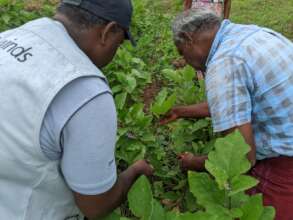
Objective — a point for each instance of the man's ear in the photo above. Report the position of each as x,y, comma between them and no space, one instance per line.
110,27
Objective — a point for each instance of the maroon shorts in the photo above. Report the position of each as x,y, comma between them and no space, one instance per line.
276,185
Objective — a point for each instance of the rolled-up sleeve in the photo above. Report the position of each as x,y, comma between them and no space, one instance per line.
228,93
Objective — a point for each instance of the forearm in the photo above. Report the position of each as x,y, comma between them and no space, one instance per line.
200,110
199,164
227,8
187,4
101,205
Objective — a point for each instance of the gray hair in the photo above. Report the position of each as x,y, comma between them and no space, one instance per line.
194,20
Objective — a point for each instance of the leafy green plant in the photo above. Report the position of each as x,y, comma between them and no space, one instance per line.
220,193
163,103
139,135
224,195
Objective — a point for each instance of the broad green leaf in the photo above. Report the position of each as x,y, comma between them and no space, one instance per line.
236,213
128,82
4,2
191,216
157,212
269,213
137,117
142,75
188,73
205,190
200,124
140,198
116,89
138,61
161,97
172,75
131,84
238,199
253,210
130,150
163,104
112,216
242,183
6,18
188,93
120,100
229,159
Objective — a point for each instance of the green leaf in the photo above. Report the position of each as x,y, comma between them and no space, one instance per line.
116,89
205,190
141,201
161,97
172,75
120,100
188,74
157,212
163,104
191,216
269,213
200,124
259,212
242,183
112,216
229,159
6,18
140,198
238,199
236,213
131,84
128,82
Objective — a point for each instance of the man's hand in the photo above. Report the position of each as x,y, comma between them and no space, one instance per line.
189,161
200,110
95,206
171,116
142,167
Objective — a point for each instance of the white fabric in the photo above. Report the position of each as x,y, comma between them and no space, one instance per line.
36,61
83,114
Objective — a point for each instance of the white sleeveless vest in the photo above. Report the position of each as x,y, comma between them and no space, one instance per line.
36,61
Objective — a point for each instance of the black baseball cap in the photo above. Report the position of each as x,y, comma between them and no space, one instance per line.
119,11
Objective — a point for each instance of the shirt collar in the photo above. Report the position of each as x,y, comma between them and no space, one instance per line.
217,40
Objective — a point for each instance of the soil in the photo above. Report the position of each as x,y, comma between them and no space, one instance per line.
149,94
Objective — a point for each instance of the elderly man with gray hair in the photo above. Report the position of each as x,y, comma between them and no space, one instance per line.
249,86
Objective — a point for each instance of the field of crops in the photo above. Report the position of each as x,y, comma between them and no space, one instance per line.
146,84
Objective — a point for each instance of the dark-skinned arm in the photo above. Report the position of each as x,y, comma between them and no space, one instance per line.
97,206
189,161
227,9
187,4
200,110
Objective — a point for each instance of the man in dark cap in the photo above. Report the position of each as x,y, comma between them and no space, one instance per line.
58,118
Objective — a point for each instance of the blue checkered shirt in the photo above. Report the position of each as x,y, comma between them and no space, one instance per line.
249,79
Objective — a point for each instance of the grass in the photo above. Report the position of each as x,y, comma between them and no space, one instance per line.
274,14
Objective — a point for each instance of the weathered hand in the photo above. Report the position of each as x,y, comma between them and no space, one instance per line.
189,161
142,167
171,116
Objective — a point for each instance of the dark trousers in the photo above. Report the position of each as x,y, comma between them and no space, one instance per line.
275,177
